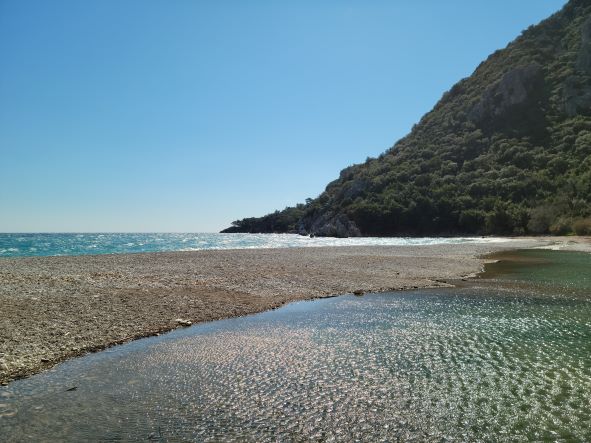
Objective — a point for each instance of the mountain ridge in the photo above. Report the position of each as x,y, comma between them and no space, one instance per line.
506,151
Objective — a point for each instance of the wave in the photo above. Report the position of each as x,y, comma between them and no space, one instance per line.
22,245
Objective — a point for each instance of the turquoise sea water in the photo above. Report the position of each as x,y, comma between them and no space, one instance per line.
493,361
22,245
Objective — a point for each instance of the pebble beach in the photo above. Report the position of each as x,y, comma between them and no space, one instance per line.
55,308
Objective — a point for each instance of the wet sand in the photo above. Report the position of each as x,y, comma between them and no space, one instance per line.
53,308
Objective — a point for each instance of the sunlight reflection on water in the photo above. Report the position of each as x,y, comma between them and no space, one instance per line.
461,364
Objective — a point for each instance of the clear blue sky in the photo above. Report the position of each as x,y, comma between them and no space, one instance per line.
138,115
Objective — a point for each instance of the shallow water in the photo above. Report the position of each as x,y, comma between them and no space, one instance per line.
22,245
559,272
481,363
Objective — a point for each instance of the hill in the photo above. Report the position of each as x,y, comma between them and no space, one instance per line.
506,151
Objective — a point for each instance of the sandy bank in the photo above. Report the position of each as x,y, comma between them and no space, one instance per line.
52,308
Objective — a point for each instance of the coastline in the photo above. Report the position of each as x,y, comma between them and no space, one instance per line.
55,308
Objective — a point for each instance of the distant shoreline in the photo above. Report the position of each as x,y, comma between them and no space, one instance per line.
54,308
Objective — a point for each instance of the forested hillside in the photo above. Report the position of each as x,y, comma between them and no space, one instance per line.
505,151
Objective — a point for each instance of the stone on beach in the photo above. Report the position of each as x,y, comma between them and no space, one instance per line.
183,322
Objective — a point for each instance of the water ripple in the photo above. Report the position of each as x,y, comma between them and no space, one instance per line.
437,365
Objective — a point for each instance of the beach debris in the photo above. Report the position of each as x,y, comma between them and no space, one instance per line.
183,322
358,292
73,388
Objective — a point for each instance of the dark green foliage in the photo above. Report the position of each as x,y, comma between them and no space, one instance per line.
562,226
505,151
543,217
278,221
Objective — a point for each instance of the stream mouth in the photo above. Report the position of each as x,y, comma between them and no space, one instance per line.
507,358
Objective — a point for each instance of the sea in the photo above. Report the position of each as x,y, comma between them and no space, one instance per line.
47,244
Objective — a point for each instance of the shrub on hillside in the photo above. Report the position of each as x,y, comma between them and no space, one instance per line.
582,226
541,218
562,226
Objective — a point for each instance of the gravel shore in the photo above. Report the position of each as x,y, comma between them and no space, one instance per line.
53,308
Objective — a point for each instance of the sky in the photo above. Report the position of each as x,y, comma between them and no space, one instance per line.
182,116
